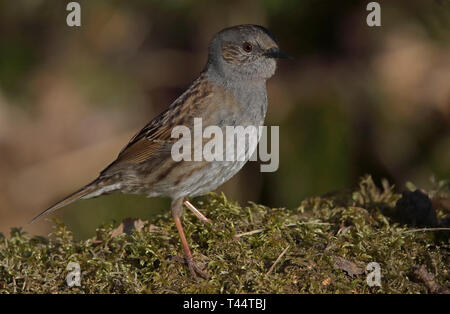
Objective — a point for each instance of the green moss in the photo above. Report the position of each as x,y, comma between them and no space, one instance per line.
352,226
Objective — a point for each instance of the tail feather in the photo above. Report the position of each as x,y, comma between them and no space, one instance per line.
84,191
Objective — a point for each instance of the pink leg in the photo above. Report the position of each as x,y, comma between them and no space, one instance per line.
177,211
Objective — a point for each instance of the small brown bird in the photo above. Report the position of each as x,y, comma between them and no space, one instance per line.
230,91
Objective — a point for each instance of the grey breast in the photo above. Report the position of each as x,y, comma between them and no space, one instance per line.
252,98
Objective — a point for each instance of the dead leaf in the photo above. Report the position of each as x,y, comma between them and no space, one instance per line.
441,202
326,282
428,279
310,266
350,268
128,225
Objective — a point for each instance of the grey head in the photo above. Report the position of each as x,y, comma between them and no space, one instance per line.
244,53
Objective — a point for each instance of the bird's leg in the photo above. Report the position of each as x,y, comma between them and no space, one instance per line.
177,211
196,212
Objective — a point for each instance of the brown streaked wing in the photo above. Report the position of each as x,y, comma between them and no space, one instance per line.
149,141
153,138
140,151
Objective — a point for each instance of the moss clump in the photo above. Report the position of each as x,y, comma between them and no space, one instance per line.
238,250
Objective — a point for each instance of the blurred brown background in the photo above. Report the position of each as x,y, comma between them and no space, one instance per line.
355,100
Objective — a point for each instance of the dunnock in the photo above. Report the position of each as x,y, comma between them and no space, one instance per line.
231,91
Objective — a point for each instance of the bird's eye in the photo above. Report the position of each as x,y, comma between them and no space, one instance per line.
247,46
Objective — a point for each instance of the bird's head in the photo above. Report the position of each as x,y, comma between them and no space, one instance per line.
244,52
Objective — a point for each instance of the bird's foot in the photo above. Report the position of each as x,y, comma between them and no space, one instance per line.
195,269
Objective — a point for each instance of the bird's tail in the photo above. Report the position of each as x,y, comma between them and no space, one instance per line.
85,191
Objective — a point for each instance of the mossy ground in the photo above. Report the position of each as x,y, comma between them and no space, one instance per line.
350,225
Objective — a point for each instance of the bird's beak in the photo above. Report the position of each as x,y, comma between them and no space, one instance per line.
276,53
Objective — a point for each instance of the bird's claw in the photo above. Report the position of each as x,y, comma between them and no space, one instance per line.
195,269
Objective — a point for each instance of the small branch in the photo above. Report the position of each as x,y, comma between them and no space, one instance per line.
196,212
237,236
425,229
309,223
277,260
